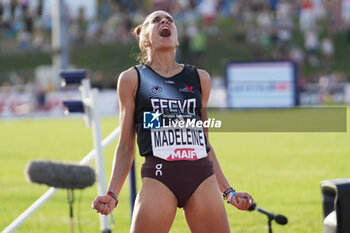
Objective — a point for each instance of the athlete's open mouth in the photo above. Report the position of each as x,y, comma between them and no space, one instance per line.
165,32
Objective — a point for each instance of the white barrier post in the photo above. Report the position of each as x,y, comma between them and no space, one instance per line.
91,106
92,119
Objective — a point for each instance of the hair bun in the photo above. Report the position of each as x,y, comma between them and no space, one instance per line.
137,30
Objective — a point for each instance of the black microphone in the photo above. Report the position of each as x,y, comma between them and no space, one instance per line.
60,175
280,219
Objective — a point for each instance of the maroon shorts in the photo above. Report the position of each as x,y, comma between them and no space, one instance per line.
181,177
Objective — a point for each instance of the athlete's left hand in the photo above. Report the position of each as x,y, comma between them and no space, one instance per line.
241,200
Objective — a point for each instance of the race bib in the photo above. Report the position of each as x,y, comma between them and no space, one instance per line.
177,143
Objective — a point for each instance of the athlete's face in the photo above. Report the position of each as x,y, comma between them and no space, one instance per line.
161,30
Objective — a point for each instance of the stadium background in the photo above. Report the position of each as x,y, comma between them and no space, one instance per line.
282,170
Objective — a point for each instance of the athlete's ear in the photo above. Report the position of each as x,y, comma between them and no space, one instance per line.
146,44
177,43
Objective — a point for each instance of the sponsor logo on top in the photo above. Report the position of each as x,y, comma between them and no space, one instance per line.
172,82
183,154
187,89
157,89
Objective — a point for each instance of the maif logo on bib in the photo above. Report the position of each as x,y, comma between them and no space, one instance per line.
151,120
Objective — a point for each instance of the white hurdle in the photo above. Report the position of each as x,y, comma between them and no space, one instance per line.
89,107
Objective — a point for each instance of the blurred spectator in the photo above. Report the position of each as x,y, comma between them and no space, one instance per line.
336,15
123,30
265,21
184,48
284,26
302,82
197,45
94,31
327,83
273,4
311,41
208,10
319,10
307,20
39,40
284,9
28,20
1,13
39,9
13,6
297,55
327,48
225,7
40,97
80,26
24,5
346,12
23,39
312,45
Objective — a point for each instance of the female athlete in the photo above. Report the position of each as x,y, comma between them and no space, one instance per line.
181,168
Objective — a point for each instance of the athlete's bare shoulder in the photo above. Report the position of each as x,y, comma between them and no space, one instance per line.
128,80
205,79
129,76
203,74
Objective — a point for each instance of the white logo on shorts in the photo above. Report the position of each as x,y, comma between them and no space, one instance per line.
158,171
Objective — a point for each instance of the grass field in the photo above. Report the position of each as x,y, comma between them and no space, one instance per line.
281,170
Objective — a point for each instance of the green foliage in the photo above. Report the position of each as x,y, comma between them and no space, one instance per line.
281,170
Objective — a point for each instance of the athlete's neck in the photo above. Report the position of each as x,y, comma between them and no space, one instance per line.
164,62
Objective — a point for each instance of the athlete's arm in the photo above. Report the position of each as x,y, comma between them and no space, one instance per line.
240,200
205,84
125,151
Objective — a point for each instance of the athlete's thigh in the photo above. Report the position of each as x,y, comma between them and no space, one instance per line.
155,208
205,210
